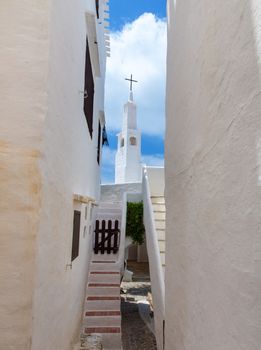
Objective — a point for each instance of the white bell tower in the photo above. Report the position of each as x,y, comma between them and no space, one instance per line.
128,167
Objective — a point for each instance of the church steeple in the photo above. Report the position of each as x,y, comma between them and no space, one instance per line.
128,156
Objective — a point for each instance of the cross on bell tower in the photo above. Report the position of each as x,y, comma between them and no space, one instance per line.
131,81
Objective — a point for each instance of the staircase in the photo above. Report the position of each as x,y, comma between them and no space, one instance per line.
102,310
159,210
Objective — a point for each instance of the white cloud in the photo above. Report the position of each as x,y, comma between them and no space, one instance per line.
153,160
140,49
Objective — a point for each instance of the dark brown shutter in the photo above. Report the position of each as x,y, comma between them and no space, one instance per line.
97,8
99,144
76,234
88,90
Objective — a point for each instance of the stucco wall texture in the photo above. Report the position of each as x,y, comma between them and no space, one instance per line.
213,168
47,155
23,86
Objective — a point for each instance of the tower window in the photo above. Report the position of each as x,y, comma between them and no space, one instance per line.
88,90
133,141
122,142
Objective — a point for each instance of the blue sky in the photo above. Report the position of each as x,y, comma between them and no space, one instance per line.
124,11
138,47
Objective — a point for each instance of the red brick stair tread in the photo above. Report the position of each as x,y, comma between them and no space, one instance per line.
103,285
103,298
103,262
102,313
104,273
89,330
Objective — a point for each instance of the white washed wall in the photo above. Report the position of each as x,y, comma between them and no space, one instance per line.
115,192
24,42
47,156
213,193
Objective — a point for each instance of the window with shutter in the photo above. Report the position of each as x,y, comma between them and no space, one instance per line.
99,144
97,8
88,90
76,234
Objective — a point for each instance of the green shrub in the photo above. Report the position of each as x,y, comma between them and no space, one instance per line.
134,223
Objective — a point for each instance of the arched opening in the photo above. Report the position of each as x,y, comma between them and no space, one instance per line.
133,141
122,142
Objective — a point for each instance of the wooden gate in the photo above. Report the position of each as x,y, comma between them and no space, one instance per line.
106,237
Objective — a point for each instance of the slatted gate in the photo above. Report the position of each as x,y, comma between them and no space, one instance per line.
107,237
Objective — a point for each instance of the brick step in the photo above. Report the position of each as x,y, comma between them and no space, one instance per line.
102,313
103,290
104,266
104,277
98,303
104,258
110,330
104,321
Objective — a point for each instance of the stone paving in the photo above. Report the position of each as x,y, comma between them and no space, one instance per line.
135,333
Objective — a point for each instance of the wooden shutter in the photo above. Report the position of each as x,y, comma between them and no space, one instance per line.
97,8
76,234
99,144
88,90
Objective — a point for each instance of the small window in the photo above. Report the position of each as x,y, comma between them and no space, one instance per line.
133,141
88,90
76,234
122,142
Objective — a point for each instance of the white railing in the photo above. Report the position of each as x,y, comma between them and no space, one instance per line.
156,271
121,256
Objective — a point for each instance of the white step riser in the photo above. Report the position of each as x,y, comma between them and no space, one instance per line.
159,199
109,210
102,321
159,216
110,205
162,246
161,235
160,225
102,305
103,291
103,278
162,258
159,207
104,267
104,259
107,218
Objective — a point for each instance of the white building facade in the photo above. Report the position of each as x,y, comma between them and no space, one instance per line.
52,69
213,188
128,167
